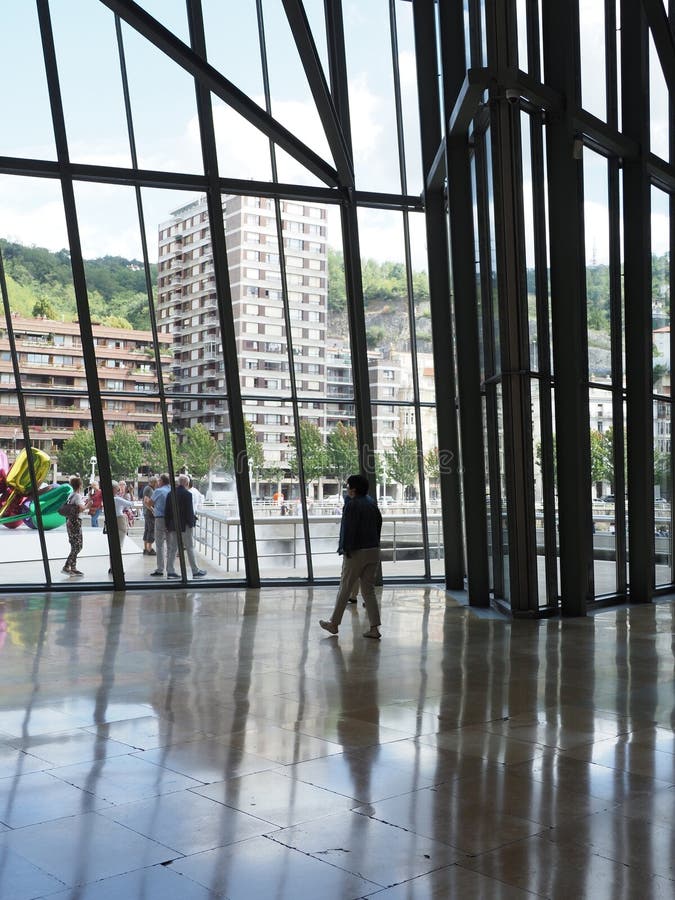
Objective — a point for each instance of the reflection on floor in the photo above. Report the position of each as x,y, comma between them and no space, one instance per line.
183,745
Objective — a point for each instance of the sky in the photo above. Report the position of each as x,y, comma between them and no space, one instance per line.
166,124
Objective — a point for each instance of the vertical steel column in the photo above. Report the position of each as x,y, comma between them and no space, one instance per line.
286,309
544,360
637,288
351,250
523,589
222,279
463,253
568,311
496,548
23,417
439,293
616,301
80,288
671,283
411,298
148,287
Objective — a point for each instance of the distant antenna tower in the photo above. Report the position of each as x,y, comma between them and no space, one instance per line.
594,255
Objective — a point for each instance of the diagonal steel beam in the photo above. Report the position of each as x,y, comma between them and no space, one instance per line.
209,77
662,34
297,19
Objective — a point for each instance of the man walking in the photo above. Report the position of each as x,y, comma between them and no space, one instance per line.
186,523
159,499
360,548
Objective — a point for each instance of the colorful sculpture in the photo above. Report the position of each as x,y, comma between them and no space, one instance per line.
17,501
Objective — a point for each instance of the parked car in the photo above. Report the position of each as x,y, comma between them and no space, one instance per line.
608,498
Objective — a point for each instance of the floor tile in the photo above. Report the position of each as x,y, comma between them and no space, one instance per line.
450,882
275,798
374,850
147,733
455,819
622,754
495,748
281,745
187,822
359,775
122,779
564,870
260,869
224,748
15,762
79,849
21,880
70,747
153,883
40,797
562,772
208,760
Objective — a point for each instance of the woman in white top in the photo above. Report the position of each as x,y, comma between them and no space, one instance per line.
121,505
74,526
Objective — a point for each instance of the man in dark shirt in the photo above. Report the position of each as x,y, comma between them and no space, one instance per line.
186,522
360,548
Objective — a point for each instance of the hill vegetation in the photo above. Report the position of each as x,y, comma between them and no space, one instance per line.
40,282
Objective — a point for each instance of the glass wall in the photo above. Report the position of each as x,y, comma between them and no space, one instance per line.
219,273
142,338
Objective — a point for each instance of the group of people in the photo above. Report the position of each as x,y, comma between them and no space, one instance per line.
164,515
160,520
93,503
163,520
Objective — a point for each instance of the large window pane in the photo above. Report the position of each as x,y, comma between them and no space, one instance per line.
21,51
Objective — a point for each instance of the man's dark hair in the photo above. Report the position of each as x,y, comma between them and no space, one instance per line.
358,483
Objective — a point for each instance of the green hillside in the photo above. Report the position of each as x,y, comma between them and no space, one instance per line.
40,282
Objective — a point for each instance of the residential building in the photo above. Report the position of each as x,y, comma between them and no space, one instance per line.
49,355
188,311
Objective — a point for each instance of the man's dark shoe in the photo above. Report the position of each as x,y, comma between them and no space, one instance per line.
157,572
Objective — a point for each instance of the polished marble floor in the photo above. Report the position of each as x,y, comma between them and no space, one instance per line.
185,745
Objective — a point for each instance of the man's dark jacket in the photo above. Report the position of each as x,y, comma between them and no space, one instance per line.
186,514
361,525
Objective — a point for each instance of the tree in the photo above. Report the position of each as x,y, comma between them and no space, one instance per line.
200,450
116,322
599,462
401,461
126,453
76,453
254,451
44,309
337,293
432,465
155,450
343,451
314,456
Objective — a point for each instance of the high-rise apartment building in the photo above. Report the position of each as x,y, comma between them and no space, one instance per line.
187,309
